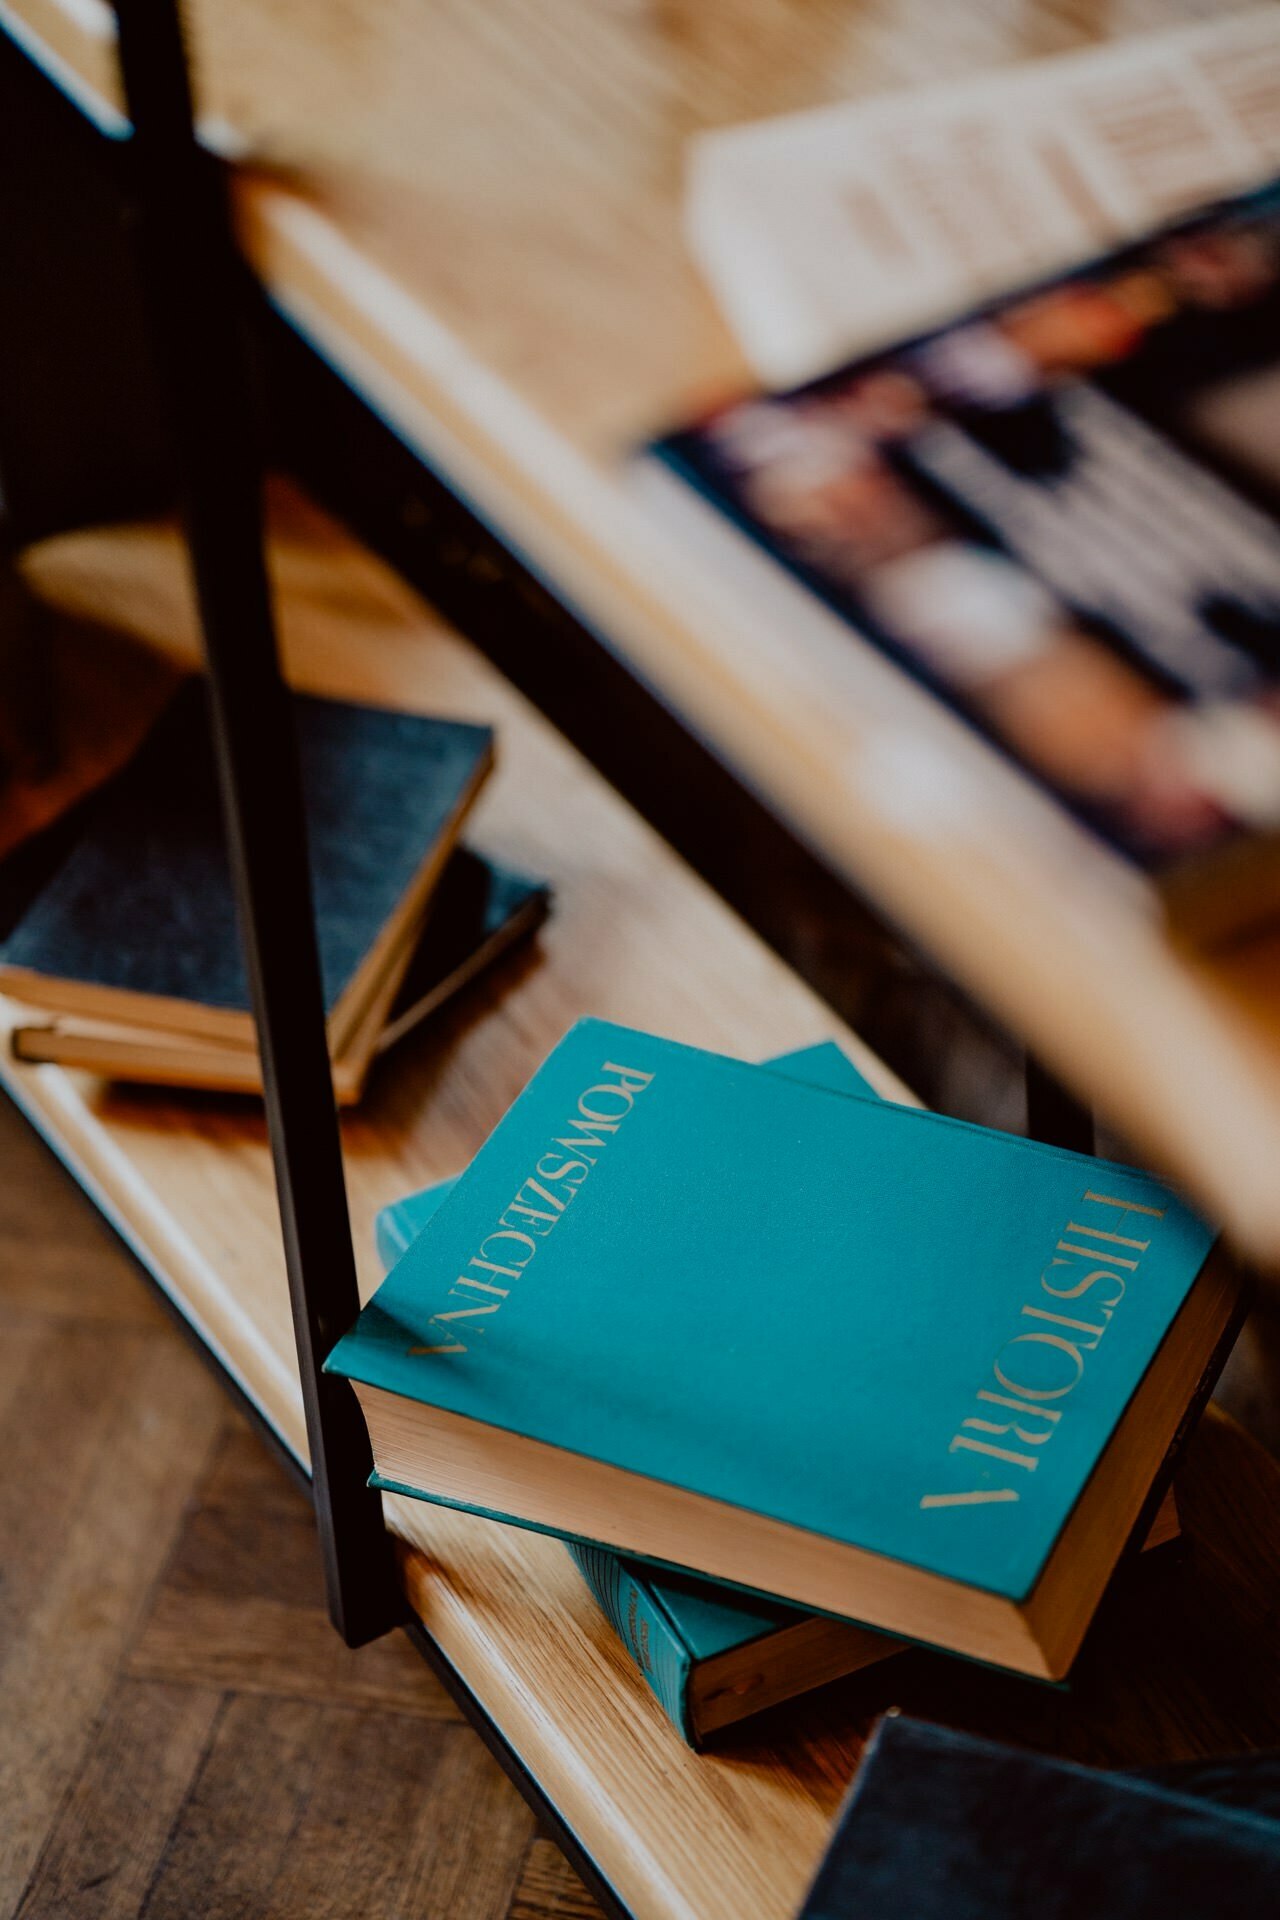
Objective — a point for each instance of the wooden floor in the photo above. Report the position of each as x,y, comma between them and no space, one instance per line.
181,1733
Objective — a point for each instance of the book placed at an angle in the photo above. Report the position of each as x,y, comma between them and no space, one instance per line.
1060,515
874,1362
939,1825
713,1656
479,910
137,927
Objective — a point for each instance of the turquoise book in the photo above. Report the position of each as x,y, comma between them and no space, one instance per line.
867,1360
712,1656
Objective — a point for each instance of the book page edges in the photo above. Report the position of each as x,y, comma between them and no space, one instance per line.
450,1456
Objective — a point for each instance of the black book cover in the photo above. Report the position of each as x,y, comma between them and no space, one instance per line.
143,903
1249,1781
941,1826
478,910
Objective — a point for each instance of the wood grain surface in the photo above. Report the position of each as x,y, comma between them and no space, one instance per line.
181,1731
475,213
1182,1667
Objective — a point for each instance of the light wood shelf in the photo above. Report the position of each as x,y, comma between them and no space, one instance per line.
635,937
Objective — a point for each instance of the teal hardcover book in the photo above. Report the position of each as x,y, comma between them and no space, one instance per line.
870,1360
711,1655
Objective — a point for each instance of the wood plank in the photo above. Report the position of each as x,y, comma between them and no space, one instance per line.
106,1846
109,1532
257,1645
115,1783
340,1813
467,1839
21,1344
82,1383
549,1889
253,1785
71,1274
241,1603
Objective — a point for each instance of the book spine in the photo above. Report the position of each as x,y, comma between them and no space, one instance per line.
644,1629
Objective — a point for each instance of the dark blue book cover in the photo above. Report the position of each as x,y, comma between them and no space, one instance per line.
941,1826
1248,1781
138,923
477,912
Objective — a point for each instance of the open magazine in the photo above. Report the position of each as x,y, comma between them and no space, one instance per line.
1061,514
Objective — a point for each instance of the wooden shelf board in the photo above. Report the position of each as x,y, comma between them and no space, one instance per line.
634,936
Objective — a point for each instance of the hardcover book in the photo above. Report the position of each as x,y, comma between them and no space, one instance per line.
871,1361
478,911
711,1655
1248,1781
398,1224
941,1826
138,927
1060,515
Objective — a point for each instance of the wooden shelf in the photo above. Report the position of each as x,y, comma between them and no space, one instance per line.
635,937
475,215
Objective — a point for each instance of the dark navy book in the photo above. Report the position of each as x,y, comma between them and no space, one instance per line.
1250,1781
479,910
941,1826
138,925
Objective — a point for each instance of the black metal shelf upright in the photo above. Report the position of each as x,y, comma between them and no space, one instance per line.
191,285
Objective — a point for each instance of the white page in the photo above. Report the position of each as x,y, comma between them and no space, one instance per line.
825,234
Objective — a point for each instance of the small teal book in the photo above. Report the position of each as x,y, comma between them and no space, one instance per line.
711,1655
871,1361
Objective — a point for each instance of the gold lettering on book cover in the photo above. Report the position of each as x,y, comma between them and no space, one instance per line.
535,1209
1041,1365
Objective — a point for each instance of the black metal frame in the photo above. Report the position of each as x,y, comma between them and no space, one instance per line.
191,278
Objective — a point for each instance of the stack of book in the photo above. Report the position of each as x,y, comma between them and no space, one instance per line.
125,948
800,1375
